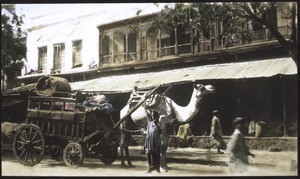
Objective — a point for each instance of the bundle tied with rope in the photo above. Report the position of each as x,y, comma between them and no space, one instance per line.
50,86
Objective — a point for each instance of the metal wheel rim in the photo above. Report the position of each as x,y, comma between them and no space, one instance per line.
29,145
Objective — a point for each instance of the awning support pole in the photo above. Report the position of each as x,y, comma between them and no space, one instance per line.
284,107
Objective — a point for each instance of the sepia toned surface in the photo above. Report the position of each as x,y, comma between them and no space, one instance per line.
260,83
182,161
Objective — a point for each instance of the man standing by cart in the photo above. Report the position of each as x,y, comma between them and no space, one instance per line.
152,143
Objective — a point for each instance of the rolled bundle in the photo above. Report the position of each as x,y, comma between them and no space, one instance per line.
49,85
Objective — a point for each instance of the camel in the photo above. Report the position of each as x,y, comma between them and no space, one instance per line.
170,112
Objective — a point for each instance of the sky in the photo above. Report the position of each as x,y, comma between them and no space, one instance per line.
117,11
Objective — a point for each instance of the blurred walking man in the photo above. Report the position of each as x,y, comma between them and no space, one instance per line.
237,150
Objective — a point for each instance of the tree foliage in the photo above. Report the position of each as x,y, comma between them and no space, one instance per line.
13,46
236,18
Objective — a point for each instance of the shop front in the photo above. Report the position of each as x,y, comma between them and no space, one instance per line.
258,90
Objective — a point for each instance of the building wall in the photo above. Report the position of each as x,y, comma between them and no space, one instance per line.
254,143
282,7
60,28
64,33
71,22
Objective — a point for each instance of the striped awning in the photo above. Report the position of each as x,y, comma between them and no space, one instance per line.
236,70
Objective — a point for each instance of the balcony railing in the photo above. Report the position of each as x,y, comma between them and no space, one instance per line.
125,57
107,59
167,51
131,56
203,46
284,30
264,34
185,48
259,35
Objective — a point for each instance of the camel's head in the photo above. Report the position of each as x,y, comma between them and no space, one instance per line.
202,90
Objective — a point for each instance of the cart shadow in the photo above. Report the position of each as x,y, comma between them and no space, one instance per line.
91,163
85,165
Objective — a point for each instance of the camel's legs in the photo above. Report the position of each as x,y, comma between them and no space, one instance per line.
164,144
163,151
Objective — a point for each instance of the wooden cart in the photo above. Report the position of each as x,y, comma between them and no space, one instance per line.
56,124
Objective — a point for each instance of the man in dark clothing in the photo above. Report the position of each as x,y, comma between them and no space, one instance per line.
152,143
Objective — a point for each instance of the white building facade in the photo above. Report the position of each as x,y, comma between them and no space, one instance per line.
67,40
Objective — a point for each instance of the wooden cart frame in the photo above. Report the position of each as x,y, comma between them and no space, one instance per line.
55,123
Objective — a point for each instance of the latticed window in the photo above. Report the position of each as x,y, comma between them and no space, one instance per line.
143,48
59,55
77,48
184,40
131,55
125,46
42,61
106,49
167,44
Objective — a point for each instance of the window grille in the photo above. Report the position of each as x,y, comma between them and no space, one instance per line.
42,59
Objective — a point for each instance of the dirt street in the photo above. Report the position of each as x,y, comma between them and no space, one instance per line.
182,161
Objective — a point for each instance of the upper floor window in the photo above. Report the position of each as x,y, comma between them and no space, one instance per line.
213,30
177,41
106,49
59,56
143,49
42,59
131,43
166,44
118,46
184,40
77,48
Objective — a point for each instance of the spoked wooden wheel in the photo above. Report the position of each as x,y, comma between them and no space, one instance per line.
108,155
73,155
29,145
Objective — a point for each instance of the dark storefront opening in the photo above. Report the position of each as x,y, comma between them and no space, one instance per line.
258,99
253,99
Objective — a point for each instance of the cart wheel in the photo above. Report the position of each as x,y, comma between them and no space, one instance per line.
108,155
56,152
29,145
73,155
